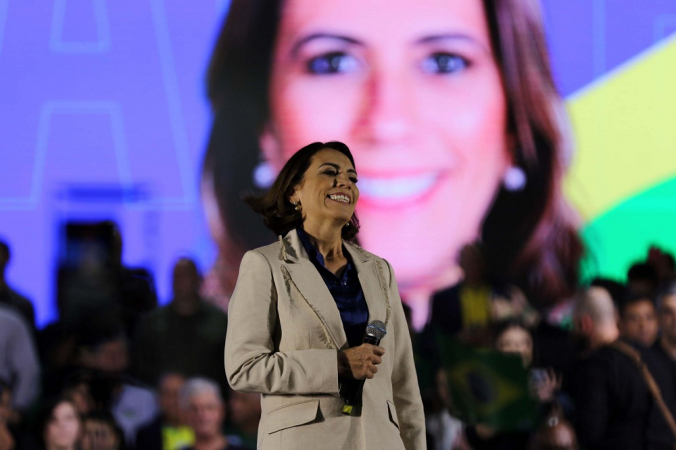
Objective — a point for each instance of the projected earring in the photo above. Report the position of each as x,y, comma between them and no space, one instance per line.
296,205
514,179
263,175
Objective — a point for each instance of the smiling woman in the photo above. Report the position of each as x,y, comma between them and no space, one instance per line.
299,313
451,112
314,196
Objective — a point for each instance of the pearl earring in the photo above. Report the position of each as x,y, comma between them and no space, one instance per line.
514,179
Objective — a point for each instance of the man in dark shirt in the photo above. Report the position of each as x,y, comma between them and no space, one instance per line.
185,336
614,408
8,296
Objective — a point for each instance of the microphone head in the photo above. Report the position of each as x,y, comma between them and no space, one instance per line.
376,329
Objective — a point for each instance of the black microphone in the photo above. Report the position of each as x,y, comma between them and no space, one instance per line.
375,331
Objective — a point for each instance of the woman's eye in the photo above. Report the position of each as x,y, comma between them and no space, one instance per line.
443,63
332,173
332,63
353,179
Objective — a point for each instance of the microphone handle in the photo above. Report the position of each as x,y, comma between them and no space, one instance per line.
355,396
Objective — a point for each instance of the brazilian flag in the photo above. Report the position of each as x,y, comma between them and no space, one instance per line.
487,387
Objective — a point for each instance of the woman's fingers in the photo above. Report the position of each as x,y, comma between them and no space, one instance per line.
379,351
360,362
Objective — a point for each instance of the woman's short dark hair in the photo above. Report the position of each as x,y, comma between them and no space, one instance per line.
278,213
529,235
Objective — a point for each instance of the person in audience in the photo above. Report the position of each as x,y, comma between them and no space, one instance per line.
665,346
9,296
642,279
555,433
244,414
595,319
614,407
512,336
58,425
96,279
18,358
664,264
104,351
168,431
201,399
467,308
80,388
101,432
7,438
618,291
638,320
185,336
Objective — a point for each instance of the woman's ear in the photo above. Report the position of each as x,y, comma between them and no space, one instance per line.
270,148
295,194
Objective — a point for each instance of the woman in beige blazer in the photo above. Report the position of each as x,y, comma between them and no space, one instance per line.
286,338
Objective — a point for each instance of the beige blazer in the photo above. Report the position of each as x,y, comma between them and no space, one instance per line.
284,331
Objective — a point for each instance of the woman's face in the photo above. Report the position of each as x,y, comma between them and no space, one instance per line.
63,428
518,341
328,192
413,89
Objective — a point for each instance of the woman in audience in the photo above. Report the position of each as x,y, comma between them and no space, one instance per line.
514,337
59,425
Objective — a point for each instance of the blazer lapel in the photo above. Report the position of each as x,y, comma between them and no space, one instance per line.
312,288
371,284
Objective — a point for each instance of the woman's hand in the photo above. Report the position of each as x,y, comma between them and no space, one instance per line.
545,390
360,362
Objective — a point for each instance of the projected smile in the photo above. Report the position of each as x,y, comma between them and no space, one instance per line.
397,189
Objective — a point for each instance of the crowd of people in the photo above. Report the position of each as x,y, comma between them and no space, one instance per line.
602,366
118,376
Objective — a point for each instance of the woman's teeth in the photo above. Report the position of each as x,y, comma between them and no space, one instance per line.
399,188
340,198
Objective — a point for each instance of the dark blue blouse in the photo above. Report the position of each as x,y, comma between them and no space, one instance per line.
346,291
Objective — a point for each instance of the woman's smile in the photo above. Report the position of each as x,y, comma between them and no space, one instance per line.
340,198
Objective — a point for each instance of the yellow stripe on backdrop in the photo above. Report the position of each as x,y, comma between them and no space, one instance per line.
625,132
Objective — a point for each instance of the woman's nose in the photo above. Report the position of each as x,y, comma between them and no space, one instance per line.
342,180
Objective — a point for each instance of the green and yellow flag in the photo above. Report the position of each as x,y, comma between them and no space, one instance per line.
487,386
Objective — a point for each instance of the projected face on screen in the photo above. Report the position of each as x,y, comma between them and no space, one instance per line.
414,90
437,100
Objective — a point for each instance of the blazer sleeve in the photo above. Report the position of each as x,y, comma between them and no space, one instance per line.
405,389
252,363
